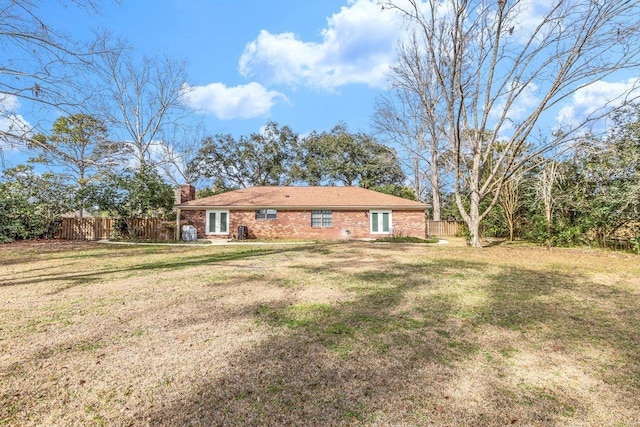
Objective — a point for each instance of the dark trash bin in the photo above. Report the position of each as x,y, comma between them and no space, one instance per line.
243,232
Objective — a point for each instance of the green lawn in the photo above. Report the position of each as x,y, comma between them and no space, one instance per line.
318,334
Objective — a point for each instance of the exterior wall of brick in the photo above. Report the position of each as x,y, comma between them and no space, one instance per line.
297,225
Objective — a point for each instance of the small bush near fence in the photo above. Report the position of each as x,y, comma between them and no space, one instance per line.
107,228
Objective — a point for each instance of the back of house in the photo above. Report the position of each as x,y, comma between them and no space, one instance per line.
302,213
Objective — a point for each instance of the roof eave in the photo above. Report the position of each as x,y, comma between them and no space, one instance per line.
300,208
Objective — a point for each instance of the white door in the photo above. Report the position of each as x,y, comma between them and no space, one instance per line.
217,222
380,222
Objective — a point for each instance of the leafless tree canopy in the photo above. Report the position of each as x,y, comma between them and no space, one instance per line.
407,117
142,101
39,65
501,66
176,151
510,201
547,181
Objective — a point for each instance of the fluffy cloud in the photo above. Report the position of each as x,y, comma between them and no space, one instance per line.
521,106
8,102
13,127
358,46
596,99
519,109
244,101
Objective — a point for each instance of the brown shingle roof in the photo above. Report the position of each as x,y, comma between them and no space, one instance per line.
303,198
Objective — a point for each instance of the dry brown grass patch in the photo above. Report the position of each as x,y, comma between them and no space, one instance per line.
327,334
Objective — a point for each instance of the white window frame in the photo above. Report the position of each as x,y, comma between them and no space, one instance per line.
218,215
264,214
380,215
326,218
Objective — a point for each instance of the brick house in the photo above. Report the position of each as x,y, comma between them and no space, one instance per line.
302,212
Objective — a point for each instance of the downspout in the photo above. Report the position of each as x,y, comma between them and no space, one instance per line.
178,224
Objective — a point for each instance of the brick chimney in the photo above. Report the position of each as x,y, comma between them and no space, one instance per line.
185,193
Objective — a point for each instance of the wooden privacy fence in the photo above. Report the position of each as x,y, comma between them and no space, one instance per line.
152,228
445,228
100,228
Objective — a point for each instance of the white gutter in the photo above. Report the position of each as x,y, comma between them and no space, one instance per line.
301,208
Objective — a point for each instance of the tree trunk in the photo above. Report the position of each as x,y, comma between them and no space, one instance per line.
435,185
81,182
435,195
511,227
549,219
473,221
472,218
474,233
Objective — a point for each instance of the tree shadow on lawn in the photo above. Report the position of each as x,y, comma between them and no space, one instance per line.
49,371
38,247
382,359
576,316
186,260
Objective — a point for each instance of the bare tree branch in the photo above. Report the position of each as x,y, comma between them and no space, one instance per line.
500,75
41,67
142,101
407,117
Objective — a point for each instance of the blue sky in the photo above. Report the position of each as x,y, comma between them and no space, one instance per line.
307,64
215,38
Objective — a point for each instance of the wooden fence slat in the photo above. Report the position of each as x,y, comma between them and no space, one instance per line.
100,228
444,228
151,228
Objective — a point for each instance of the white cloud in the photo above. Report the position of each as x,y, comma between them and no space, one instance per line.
596,99
521,105
8,102
244,101
13,127
528,15
358,46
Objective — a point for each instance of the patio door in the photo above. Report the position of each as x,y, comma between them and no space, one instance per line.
380,222
217,222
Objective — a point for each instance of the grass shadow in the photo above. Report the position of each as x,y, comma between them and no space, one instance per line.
404,349
345,363
574,315
356,362
184,260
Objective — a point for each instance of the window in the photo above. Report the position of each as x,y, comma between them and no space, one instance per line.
266,214
321,218
380,222
217,222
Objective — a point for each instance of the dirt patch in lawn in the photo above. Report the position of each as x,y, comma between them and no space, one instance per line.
327,334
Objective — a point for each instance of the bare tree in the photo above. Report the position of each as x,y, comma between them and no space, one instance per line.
142,101
510,201
547,180
501,66
176,153
40,66
407,117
